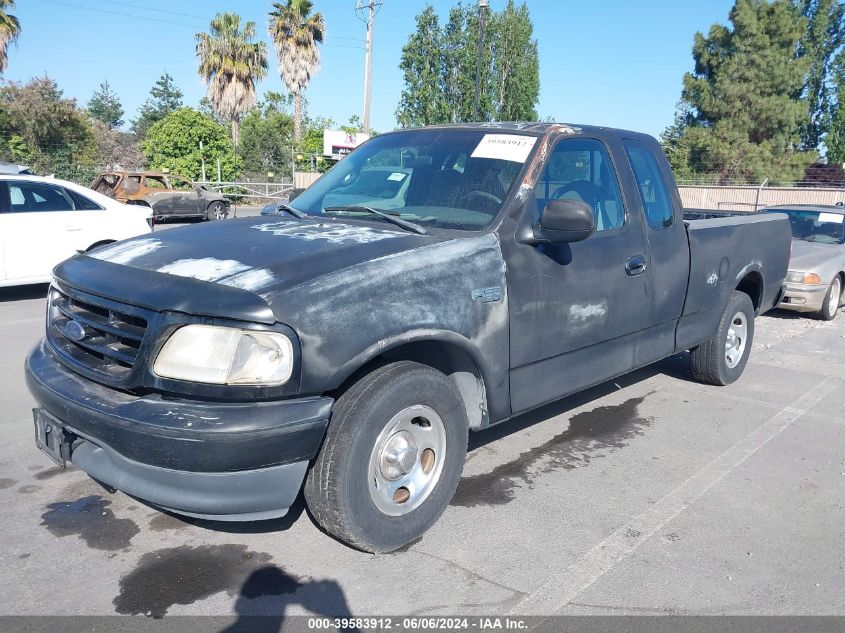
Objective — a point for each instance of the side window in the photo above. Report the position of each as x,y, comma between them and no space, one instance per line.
35,196
155,182
181,185
81,202
656,203
580,169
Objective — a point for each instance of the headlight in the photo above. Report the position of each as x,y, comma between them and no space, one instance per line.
796,277
226,356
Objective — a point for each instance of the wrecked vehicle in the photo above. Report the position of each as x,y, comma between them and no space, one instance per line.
817,264
168,195
211,370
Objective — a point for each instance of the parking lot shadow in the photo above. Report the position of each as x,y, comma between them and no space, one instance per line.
676,366
787,315
267,592
21,293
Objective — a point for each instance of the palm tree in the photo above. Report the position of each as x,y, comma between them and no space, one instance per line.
10,28
231,62
295,33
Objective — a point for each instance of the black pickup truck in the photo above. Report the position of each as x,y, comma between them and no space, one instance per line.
461,275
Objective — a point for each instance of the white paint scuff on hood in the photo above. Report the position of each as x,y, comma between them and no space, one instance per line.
126,252
228,272
331,233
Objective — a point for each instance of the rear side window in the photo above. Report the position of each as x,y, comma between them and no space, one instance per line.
655,198
155,182
82,203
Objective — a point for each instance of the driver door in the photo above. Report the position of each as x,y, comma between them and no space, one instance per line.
576,309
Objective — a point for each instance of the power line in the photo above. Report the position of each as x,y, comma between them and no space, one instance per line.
145,8
125,15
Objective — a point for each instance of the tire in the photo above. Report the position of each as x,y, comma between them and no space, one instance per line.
831,301
347,489
216,211
713,362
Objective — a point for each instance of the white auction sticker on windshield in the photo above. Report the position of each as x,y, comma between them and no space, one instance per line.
512,147
396,175
833,218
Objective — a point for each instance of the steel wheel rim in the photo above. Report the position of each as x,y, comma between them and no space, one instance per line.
736,340
833,301
218,211
407,460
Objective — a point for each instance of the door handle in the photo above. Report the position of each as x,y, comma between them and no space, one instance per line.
73,227
636,265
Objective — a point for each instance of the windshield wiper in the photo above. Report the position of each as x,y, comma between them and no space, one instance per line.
289,209
390,217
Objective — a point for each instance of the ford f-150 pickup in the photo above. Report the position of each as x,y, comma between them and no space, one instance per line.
211,370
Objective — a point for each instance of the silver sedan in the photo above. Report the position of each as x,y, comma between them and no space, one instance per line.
817,265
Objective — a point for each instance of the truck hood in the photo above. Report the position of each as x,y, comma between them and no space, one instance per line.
231,268
810,256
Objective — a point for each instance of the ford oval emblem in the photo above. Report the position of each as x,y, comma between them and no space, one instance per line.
74,331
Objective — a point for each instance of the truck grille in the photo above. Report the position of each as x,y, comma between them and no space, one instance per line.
95,334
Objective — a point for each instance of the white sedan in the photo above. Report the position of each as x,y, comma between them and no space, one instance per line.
43,221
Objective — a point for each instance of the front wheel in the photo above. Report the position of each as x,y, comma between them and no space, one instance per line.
722,359
392,458
216,211
831,301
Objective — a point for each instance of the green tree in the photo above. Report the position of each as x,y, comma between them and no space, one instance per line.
822,40
460,66
675,143
165,98
44,129
10,29
422,101
231,63
295,32
516,67
174,144
745,96
266,139
105,106
440,65
835,138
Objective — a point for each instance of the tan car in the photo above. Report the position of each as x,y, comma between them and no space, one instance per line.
168,195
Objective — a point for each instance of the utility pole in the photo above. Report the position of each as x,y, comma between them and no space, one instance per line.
483,5
366,10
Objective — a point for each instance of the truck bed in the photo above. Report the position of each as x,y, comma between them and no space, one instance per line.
749,250
707,214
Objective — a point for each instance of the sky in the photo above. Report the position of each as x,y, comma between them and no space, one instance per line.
604,62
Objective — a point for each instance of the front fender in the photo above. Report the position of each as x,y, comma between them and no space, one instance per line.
347,317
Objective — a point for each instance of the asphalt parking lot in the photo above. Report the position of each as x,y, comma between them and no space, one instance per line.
648,495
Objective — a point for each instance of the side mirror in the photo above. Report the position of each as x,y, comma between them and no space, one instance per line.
294,193
564,221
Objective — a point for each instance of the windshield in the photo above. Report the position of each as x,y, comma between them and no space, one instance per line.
452,179
816,226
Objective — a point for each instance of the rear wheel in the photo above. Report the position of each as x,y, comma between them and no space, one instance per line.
722,359
392,458
831,301
216,211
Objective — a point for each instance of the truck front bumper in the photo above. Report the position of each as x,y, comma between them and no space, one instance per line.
229,461
803,297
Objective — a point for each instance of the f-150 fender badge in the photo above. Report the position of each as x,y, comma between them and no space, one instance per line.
487,295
